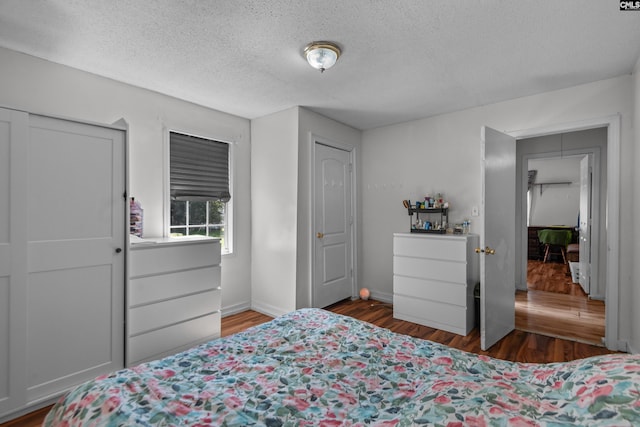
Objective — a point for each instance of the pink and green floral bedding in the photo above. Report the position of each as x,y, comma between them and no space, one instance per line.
315,368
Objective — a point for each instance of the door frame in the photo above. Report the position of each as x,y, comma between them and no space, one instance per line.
316,139
612,285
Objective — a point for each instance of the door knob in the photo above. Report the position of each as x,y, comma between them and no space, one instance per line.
118,250
486,250
319,235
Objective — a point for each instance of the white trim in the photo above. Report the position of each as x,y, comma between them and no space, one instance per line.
236,308
267,309
119,124
385,297
352,150
612,220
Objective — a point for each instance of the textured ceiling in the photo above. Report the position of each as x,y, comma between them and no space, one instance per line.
402,59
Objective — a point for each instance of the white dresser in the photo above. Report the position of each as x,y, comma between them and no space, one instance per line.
433,280
173,298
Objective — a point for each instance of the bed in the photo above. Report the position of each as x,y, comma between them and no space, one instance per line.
312,367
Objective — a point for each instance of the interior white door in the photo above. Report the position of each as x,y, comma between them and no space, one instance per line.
333,258
75,253
497,261
585,224
13,250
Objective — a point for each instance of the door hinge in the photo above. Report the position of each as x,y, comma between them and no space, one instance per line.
124,195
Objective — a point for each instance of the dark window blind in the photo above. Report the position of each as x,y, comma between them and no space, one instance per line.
199,168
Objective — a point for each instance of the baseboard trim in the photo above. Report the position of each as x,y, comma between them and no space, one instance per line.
382,296
267,309
236,308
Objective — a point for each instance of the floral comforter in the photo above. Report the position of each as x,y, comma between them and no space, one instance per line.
312,367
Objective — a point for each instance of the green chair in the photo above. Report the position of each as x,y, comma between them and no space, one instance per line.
555,239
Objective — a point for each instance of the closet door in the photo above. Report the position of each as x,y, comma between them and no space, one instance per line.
13,251
75,254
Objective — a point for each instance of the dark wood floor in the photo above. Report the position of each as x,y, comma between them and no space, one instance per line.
517,346
551,277
557,307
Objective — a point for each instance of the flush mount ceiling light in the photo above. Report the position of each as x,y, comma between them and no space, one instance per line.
322,55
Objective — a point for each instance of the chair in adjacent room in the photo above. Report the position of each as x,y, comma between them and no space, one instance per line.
555,242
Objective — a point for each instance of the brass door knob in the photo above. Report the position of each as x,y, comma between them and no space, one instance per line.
319,235
486,250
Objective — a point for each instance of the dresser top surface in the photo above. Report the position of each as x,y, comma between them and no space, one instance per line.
435,236
150,242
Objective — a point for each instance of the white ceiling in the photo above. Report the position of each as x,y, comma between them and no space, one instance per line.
402,59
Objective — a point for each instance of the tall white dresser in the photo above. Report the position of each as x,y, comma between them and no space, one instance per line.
433,280
173,298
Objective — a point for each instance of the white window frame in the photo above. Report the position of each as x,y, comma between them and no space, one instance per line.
228,241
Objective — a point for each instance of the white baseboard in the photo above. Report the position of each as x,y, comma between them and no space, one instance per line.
625,346
236,308
268,309
382,296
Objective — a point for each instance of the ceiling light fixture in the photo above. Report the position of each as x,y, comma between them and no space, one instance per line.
322,55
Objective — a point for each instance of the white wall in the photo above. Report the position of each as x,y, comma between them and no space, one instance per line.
442,153
274,187
281,204
40,86
556,204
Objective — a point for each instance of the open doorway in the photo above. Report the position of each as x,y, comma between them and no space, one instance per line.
550,299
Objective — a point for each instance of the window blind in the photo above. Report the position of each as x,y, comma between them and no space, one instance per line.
199,168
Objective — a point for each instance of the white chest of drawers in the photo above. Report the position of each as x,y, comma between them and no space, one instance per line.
173,297
433,280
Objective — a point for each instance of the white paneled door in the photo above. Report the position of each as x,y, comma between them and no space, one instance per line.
62,256
75,244
497,257
333,259
13,250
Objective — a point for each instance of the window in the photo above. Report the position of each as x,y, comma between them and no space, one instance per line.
199,188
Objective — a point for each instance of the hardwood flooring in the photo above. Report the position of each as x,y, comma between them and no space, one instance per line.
517,346
557,307
33,419
551,277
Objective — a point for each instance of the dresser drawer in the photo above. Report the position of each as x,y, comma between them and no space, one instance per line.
445,292
451,318
455,272
147,289
158,315
448,248
161,342
165,258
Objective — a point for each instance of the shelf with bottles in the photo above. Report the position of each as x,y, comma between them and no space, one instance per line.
426,225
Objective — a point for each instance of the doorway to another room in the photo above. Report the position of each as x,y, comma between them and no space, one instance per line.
563,202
